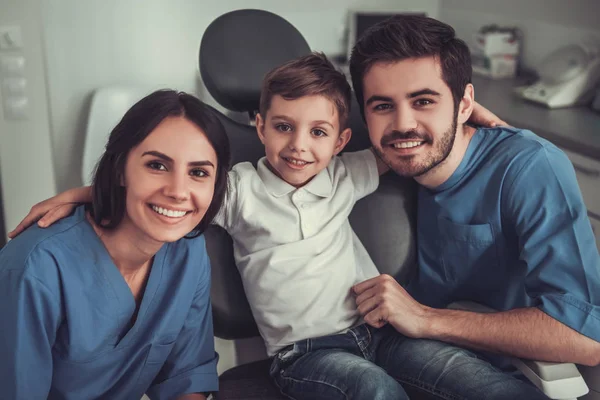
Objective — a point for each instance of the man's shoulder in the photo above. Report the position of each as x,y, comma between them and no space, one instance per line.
513,148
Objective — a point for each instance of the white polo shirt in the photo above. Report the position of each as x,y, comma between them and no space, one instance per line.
296,252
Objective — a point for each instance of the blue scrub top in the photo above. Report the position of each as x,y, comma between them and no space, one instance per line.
509,229
66,316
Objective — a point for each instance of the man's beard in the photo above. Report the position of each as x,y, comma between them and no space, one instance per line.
406,165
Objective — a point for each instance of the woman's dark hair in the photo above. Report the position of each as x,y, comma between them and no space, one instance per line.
108,194
411,36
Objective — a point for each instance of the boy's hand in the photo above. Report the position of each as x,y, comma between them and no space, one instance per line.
45,213
51,210
483,117
382,300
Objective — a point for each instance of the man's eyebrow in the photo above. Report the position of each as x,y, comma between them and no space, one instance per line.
375,98
422,92
165,157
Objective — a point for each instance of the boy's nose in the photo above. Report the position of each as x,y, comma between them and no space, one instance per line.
298,142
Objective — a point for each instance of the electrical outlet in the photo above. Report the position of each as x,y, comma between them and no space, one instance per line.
10,37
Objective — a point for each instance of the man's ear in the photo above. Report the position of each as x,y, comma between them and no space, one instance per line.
342,141
260,128
465,107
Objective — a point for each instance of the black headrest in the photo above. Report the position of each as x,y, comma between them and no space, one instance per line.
237,51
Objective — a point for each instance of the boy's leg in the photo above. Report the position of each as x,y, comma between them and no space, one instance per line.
333,367
444,371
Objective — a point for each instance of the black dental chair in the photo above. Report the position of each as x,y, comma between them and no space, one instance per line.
236,51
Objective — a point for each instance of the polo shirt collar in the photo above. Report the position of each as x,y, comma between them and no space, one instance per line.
320,185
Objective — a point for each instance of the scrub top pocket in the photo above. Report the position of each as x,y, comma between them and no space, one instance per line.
462,246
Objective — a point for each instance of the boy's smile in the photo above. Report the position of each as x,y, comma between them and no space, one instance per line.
300,137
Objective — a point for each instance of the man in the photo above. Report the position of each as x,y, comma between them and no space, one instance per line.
501,222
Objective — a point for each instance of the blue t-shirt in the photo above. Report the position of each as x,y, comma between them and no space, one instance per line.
509,229
66,315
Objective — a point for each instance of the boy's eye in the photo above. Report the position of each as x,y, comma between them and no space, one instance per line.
199,173
318,132
283,127
156,165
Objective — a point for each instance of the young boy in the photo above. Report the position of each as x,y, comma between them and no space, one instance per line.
294,247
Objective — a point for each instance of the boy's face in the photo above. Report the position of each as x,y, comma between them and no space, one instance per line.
300,136
410,114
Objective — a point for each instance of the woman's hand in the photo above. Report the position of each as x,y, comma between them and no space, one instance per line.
51,210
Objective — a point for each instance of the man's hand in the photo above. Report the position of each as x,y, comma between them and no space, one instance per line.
382,300
483,117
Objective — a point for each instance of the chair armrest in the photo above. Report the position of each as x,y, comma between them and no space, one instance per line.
557,380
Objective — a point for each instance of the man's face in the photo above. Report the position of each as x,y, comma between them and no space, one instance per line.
410,114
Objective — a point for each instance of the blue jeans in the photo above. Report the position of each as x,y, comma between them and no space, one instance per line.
369,363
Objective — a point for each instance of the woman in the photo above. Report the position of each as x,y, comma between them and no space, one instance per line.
113,301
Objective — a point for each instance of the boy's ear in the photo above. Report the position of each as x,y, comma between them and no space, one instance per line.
342,141
465,107
260,128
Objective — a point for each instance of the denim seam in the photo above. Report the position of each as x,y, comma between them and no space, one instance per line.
426,387
283,377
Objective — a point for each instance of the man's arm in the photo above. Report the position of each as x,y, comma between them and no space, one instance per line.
526,333
542,203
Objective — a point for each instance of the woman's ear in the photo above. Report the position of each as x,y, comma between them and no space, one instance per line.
465,107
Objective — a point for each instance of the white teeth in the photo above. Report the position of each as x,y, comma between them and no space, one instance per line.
169,213
296,162
407,145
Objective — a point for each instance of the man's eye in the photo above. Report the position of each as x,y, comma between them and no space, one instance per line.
199,173
283,127
319,133
423,102
382,107
156,165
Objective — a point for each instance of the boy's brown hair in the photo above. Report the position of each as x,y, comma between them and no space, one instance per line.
310,75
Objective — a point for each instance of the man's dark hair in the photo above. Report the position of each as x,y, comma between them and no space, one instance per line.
310,75
108,194
412,36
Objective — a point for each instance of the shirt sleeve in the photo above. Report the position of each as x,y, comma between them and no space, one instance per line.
192,364
362,169
556,241
227,215
30,315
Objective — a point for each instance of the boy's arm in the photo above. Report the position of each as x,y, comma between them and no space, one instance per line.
382,167
51,210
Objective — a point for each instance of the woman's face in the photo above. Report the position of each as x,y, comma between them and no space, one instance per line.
169,181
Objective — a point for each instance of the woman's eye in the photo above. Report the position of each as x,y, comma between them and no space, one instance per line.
283,127
200,173
319,133
157,166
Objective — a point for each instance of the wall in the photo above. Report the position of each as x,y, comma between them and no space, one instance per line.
25,146
155,43
546,24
